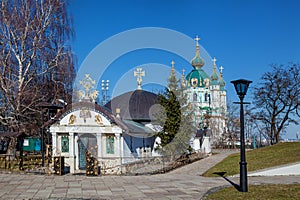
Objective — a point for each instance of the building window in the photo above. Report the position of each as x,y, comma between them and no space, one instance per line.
195,97
110,140
64,144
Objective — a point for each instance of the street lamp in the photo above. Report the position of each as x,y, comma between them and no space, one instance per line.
241,87
104,88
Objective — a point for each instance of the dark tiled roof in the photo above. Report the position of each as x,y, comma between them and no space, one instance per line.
134,105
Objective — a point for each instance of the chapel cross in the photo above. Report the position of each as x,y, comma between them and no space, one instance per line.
139,73
87,83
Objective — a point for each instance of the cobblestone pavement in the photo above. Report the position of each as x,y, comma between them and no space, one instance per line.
183,183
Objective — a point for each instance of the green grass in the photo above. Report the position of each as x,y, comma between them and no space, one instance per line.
279,154
259,192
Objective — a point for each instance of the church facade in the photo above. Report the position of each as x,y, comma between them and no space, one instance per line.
207,97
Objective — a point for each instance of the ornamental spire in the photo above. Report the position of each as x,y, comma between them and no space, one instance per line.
214,76
197,61
173,68
222,82
215,65
197,45
183,77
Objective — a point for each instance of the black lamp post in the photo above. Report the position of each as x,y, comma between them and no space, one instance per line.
241,87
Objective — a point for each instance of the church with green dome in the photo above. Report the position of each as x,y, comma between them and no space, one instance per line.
206,95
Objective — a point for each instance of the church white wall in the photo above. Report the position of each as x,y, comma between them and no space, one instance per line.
79,120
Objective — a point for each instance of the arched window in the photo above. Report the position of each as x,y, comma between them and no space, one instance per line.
195,97
205,97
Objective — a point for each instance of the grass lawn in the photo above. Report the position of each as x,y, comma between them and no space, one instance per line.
259,192
278,154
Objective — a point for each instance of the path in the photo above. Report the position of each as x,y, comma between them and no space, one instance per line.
183,183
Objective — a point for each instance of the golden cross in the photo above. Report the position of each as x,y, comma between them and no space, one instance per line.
139,74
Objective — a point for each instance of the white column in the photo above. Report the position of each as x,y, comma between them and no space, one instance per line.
71,152
118,135
118,144
206,148
122,148
76,152
54,145
71,143
99,144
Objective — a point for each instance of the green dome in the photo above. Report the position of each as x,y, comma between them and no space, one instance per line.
196,78
197,61
222,84
214,78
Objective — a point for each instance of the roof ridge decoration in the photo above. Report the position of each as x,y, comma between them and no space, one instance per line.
89,93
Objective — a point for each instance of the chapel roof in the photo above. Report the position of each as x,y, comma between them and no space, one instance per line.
90,105
134,105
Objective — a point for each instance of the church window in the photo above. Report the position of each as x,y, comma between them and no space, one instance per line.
110,140
205,97
209,99
64,144
195,97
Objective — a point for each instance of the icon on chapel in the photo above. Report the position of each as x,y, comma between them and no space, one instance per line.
98,119
85,113
72,119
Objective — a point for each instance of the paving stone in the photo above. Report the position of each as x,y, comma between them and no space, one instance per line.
182,183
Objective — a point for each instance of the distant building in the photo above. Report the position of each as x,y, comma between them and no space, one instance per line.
207,96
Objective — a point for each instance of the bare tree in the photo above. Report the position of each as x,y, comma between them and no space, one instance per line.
277,99
36,62
233,123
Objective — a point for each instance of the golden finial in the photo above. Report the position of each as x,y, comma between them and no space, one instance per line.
173,68
214,60
139,74
215,65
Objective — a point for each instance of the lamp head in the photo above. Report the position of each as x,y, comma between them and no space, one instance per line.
241,86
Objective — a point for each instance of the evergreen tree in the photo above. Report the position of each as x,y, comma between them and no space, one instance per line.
175,119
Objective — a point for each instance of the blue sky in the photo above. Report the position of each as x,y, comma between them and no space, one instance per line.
244,36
